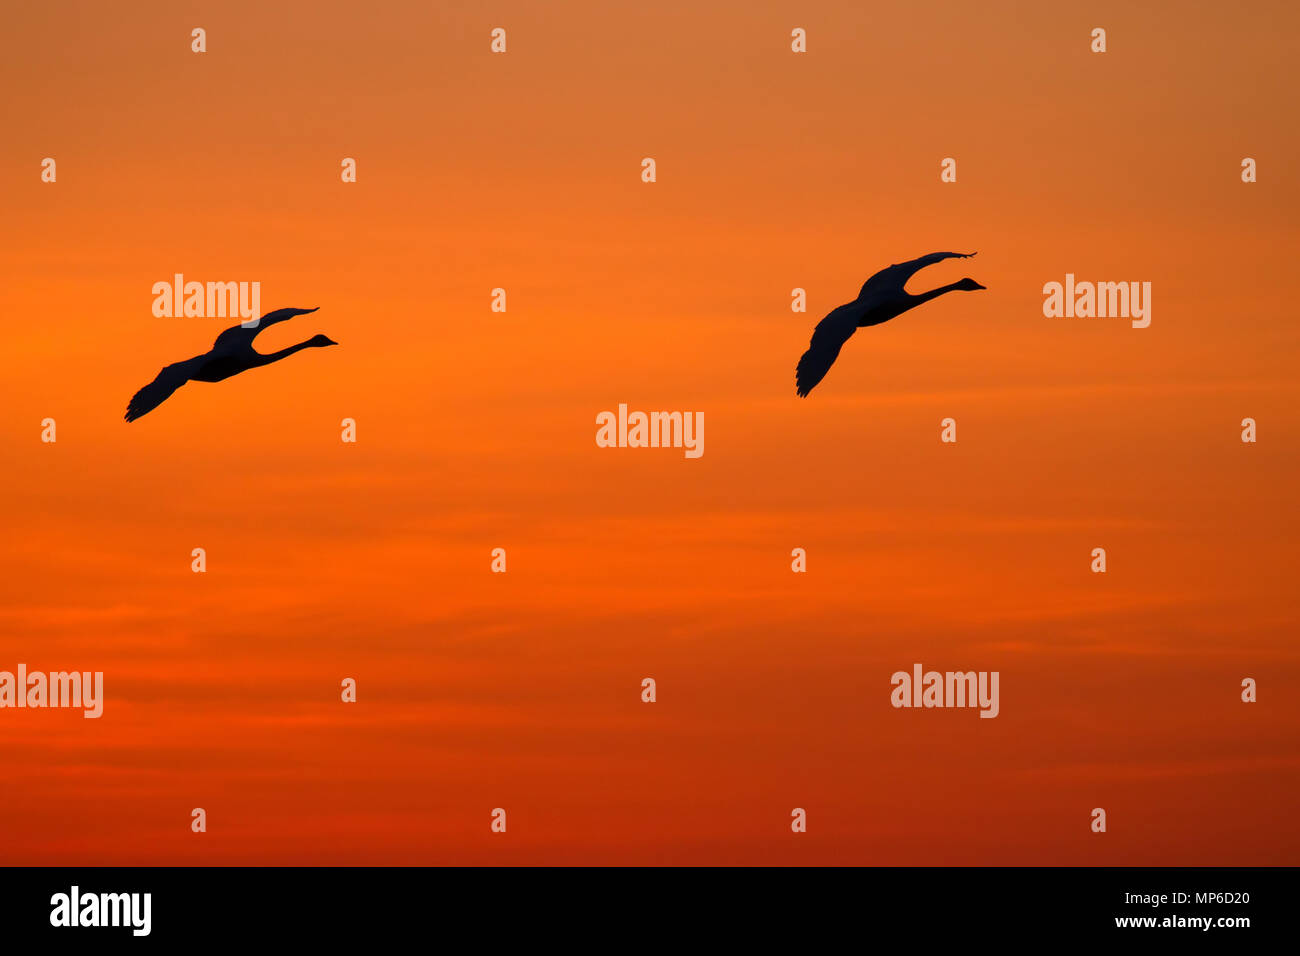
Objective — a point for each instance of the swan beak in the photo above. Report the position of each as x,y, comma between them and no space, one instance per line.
978,286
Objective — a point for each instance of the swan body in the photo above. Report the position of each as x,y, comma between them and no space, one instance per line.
883,297
230,354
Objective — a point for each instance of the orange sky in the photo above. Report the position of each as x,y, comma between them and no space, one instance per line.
521,691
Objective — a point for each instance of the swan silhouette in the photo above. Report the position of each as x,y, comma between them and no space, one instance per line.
231,354
881,299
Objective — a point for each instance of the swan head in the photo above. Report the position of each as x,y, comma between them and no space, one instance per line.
320,341
969,285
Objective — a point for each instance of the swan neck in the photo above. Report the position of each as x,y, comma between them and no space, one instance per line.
935,293
284,353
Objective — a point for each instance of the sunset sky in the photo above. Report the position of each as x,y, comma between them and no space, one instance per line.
475,430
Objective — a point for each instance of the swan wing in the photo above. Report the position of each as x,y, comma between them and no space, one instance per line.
160,389
240,337
896,276
827,340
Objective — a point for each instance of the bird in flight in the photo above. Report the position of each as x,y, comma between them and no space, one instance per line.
230,354
882,297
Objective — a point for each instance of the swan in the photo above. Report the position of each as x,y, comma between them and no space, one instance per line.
881,299
230,354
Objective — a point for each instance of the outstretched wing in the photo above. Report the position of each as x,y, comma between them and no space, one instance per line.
896,276
240,337
160,389
827,340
